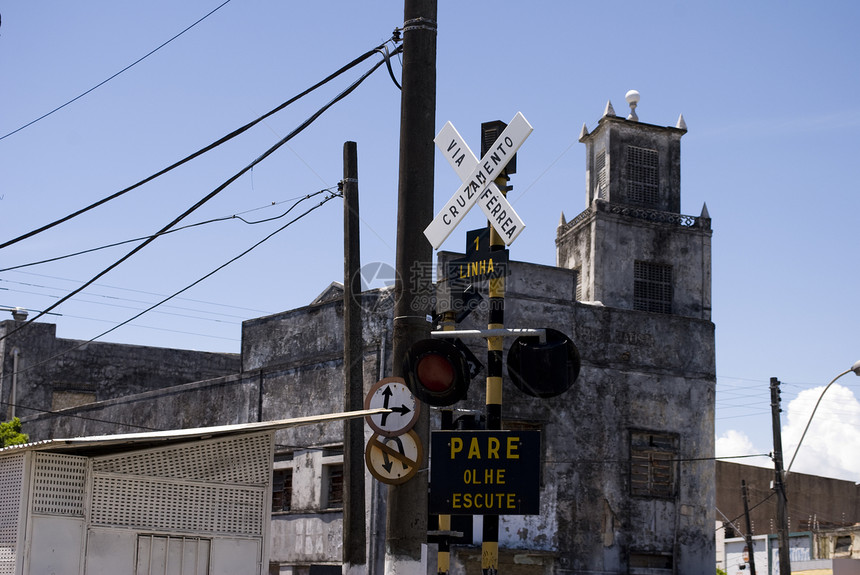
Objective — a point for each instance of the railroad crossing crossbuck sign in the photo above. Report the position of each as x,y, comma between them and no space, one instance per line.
478,186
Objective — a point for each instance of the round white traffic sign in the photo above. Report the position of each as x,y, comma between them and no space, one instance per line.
391,393
394,460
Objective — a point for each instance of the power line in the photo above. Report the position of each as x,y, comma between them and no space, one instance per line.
208,197
138,301
674,460
123,242
149,293
772,493
205,149
96,419
103,82
331,196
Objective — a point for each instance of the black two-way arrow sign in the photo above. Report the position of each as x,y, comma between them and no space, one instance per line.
402,410
391,393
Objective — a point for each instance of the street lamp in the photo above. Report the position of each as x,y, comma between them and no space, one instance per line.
856,369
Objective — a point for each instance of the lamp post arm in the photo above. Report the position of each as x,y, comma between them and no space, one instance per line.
856,369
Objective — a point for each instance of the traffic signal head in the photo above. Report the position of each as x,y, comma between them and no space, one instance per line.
543,369
436,372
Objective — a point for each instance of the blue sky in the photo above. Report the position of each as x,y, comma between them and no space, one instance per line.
767,89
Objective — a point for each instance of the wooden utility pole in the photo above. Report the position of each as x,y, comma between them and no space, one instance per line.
354,532
779,481
748,537
407,503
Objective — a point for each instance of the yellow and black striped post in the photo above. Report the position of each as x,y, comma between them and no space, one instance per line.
495,345
443,556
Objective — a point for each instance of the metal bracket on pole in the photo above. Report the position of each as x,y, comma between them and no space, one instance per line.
498,332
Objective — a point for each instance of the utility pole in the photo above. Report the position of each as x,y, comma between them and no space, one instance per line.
354,531
750,548
778,482
407,503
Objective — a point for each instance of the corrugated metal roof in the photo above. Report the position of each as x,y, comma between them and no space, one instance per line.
138,440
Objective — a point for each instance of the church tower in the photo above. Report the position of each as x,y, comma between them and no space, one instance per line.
631,247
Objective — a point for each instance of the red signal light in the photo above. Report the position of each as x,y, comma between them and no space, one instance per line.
436,372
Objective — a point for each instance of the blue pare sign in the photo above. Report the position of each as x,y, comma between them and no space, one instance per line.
485,472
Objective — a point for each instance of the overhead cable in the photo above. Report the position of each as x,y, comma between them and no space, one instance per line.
123,242
206,198
331,196
202,151
103,82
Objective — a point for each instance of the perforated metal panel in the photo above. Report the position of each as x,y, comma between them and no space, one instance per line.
244,459
11,481
59,483
217,486
163,504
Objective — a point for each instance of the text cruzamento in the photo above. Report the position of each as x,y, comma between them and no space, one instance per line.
479,184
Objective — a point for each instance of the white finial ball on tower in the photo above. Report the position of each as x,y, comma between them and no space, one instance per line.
632,98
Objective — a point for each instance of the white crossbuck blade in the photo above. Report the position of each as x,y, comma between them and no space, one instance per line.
478,186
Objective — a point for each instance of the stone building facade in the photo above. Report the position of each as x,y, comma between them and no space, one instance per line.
627,478
44,373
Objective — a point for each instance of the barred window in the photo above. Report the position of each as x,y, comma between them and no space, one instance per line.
652,463
578,275
652,287
282,489
643,180
333,477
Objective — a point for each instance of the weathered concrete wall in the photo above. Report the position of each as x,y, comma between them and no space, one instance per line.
54,372
222,401
612,136
640,371
307,538
623,240
302,354
834,502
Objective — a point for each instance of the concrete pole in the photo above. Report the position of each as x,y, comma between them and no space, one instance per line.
779,481
354,530
413,288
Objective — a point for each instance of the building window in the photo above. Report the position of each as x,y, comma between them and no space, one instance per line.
843,545
651,563
578,279
643,180
652,463
652,287
282,490
600,167
333,482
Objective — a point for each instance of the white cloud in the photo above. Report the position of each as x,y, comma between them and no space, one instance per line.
832,443
733,443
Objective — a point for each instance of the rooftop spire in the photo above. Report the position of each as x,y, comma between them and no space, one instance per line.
609,111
